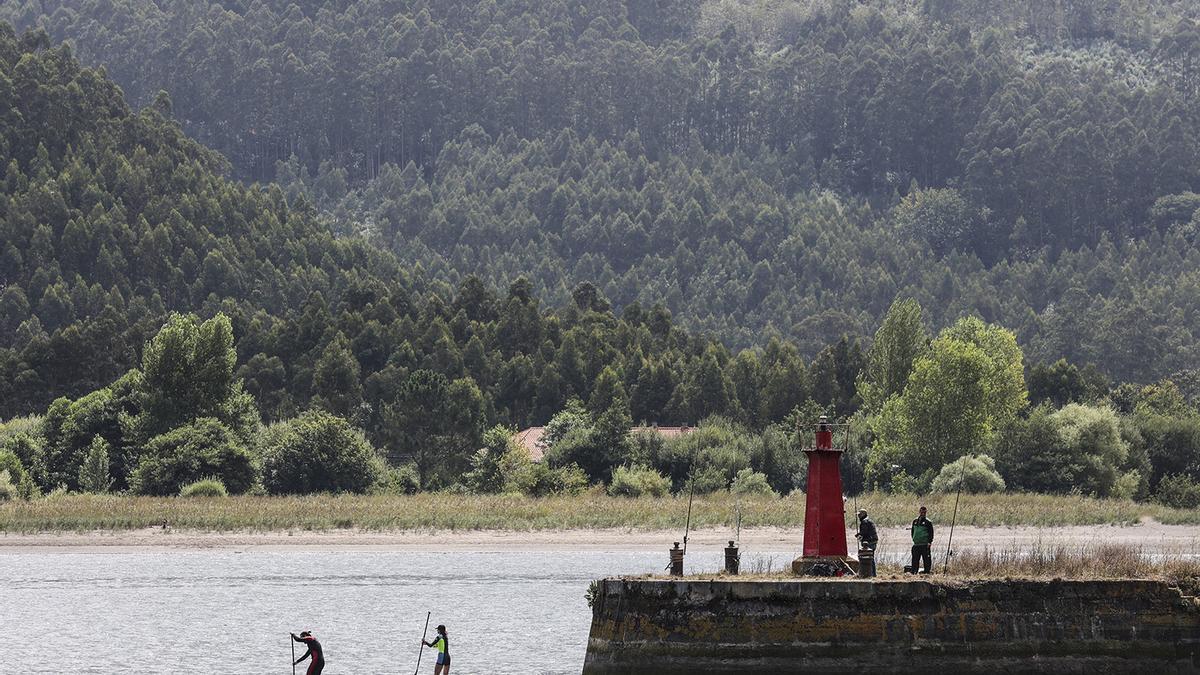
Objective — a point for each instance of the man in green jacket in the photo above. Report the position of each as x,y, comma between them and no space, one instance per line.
922,536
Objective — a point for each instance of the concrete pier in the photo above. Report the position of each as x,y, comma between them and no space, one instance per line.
852,626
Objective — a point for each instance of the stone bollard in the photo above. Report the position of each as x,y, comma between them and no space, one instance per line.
866,562
676,561
731,559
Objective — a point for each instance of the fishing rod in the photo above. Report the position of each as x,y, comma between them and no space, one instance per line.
424,632
738,535
962,478
688,524
857,523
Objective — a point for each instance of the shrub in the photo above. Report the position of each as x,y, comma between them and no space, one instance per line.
207,487
12,464
637,481
1092,438
591,449
565,480
572,417
977,473
777,456
29,425
1129,485
500,465
401,480
1171,442
706,480
716,448
320,452
8,491
1076,449
30,450
749,482
190,453
1179,491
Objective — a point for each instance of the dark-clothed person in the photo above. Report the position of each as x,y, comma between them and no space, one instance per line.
922,537
868,536
868,541
314,650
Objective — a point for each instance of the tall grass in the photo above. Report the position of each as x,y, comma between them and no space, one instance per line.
1102,561
1034,562
591,510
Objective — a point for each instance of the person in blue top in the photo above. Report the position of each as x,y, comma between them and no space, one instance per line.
442,642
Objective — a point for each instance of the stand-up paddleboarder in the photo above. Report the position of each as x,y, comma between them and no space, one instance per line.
314,650
441,642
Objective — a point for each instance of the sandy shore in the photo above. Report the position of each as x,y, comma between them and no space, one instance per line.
1151,536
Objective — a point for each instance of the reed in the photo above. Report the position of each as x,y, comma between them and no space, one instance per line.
1038,561
1099,561
591,510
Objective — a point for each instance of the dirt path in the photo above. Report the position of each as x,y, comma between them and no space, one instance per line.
1151,536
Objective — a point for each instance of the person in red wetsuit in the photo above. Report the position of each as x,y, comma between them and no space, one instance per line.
314,650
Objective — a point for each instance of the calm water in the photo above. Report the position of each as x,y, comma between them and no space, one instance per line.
231,612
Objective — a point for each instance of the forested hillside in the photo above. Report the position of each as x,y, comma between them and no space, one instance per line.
718,239
156,313
112,220
761,166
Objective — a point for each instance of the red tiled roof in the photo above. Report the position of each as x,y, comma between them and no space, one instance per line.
531,438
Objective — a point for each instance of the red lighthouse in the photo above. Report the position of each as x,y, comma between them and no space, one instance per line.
824,507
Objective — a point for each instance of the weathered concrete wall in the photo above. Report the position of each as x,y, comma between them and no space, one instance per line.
832,626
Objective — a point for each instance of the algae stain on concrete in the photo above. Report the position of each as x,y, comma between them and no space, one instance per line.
657,625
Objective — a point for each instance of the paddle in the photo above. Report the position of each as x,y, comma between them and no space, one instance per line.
293,655
423,633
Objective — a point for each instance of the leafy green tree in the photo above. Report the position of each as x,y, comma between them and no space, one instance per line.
201,449
188,374
573,417
337,379
487,472
786,382
777,456
11,464
564,480
941,414
607,390
29,451
652,392
319,452
8,491
1005,384
835,372
705,390
899,341
1062,383
1172,445
94,474
1093,435
435,423
1181,492
1030,457
942,218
